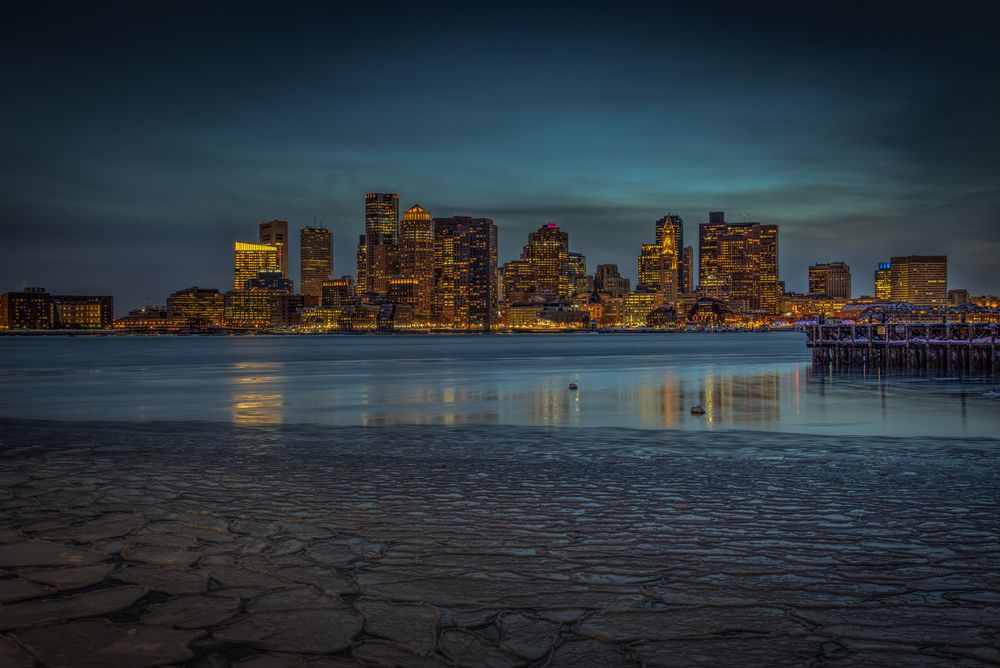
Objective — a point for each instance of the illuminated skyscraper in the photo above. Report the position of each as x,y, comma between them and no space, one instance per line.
883,282
465,273
672,225
740,259
378,244
920,279
275,233
315,260
548,252
830,279
649,267
416,258
579,282
382,215
252,258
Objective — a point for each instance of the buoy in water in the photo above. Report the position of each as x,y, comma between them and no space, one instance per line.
572,386
697,410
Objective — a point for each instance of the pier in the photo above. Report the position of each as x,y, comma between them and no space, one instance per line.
947,346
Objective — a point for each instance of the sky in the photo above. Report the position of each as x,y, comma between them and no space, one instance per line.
139,140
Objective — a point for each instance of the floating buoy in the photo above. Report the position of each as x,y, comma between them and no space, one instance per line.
697,410
572,386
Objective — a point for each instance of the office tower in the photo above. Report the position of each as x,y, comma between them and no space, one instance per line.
27,309
403,290
638,305
649,266
883,282
919,279
548,252
275,233
709,269
465,273
519,281
830,279
416,258
377,246
576,272
688,284
382,216
252,258
740,260
608,280
271,281
315,260
337,292
672,225
197,307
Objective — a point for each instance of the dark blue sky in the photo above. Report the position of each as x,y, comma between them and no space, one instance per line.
140,139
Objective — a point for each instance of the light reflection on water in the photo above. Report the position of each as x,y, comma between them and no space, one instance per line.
744,381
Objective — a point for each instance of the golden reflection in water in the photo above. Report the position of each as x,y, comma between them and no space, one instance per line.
255,403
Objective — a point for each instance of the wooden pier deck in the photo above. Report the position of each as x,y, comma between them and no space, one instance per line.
947,346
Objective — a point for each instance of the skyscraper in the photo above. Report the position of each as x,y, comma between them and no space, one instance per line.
275,233
252,258
378,244
688,284
919,279
315,260
519,281
830,279
416,258
576,270
672,225
740,259
548,252
465,273
883,282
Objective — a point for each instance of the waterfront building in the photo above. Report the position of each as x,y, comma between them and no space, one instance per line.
466,282
832,279
359,318
404,290
740,261
197,307
260,309
547,251
883,282
275,233
30,308
82,311
638,305
416,258
252,258
338,292
519,281
315,260
607,280
149,319
919,279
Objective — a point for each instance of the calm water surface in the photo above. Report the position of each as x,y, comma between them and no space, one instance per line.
744,381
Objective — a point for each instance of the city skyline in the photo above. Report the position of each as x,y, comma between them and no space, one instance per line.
875,127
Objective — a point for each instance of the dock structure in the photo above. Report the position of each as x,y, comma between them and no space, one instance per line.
938,346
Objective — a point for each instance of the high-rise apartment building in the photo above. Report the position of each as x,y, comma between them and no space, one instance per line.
830,279
465,273
315,260
919,279
416,258
740,259
253,258
547,251
883,282
275,233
